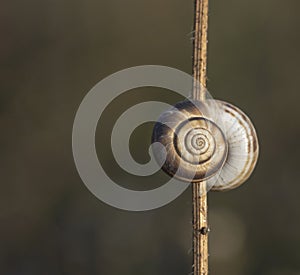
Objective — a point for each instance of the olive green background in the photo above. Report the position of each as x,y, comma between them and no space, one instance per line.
53,52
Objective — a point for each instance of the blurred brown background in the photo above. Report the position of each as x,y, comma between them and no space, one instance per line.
53,52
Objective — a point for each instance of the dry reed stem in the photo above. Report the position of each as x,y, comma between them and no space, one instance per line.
200,223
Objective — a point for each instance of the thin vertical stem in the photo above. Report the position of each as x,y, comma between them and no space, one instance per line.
200,48
200,223
200,229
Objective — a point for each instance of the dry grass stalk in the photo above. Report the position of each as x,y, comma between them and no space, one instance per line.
200,223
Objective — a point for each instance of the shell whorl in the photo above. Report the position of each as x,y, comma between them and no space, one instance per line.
214,142
243,148
196,147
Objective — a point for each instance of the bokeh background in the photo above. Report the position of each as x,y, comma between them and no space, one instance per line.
53,52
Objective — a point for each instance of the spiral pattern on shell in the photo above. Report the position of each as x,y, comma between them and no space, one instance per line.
212,141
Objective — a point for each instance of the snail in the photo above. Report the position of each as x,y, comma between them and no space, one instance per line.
211,141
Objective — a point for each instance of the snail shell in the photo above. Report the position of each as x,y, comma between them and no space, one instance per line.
212,141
